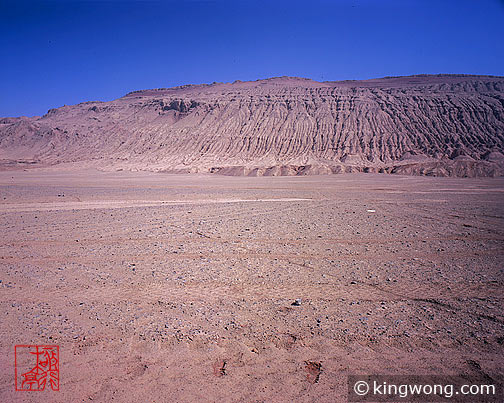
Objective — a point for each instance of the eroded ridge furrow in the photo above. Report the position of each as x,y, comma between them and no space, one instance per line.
431,125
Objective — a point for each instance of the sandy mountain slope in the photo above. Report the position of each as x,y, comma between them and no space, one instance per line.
445,125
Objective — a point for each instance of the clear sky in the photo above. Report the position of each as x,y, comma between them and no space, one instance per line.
64,52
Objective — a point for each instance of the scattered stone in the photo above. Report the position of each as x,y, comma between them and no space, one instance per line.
219,368
313,371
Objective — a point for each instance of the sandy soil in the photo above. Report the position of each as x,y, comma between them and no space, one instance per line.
168,288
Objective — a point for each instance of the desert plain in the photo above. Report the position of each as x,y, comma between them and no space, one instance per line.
189,288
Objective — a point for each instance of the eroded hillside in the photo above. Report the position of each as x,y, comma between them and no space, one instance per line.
423,125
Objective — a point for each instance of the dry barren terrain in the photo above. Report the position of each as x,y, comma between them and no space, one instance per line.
183,288
444,125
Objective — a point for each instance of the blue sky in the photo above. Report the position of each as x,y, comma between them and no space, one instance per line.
64,52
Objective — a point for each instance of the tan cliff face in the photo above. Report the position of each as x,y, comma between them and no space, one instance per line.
446,125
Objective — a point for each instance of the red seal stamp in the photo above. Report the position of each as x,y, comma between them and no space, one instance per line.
36,367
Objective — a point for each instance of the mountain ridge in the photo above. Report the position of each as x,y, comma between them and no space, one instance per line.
441,125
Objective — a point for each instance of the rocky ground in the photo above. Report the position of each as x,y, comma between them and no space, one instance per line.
186,288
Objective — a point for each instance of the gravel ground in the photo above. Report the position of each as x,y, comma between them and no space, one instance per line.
207,288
